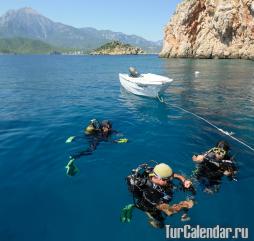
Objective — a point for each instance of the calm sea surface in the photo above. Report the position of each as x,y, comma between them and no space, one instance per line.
45,99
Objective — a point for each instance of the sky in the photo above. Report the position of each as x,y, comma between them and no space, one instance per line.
145,18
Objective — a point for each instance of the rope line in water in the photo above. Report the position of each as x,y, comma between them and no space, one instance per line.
230,134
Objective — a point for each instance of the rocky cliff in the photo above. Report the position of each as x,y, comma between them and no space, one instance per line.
117,48
211,29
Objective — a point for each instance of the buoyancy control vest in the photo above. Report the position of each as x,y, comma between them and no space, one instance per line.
146,194
213,168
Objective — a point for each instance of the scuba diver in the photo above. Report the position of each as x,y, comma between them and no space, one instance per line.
213,165
95,133
152,190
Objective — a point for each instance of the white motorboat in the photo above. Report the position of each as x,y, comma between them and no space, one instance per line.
151,85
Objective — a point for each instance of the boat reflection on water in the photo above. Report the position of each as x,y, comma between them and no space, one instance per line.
145,108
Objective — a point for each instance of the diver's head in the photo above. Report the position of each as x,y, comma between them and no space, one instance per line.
222,148
106,126
223,145
161,174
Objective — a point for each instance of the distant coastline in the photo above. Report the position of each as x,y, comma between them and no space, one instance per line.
27,23
25,46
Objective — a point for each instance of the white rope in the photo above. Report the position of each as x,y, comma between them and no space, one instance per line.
230,134
160,98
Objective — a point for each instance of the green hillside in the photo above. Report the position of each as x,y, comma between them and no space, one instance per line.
112,45
117,48
25,46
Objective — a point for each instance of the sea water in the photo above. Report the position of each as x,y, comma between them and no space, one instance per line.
46,99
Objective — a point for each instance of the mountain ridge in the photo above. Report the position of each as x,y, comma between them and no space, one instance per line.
28,23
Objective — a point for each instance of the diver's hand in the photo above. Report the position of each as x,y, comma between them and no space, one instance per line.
198,158
170,210
230,172
226,173
164,207
187,183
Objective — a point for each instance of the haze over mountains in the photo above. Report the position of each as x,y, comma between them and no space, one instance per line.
28,23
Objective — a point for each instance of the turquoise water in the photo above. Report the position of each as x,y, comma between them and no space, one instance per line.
45,99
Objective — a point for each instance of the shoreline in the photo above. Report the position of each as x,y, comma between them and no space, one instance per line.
118,55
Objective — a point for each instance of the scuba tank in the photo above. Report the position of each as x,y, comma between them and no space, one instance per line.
137,180
93,125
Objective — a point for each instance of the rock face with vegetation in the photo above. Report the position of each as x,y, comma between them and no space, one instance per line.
25,46
117,48
211,29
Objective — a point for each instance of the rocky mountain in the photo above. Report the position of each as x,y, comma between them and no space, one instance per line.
117,48
211,29
28,23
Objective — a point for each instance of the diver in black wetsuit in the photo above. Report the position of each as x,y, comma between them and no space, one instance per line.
213,165
152,190
95,133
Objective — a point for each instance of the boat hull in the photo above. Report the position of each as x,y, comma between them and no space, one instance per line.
149,90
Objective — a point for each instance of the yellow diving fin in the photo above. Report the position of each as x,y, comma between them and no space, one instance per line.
72,169
70,139
121,141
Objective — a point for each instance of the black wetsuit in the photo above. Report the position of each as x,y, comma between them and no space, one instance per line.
210,172
153,195
94,140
